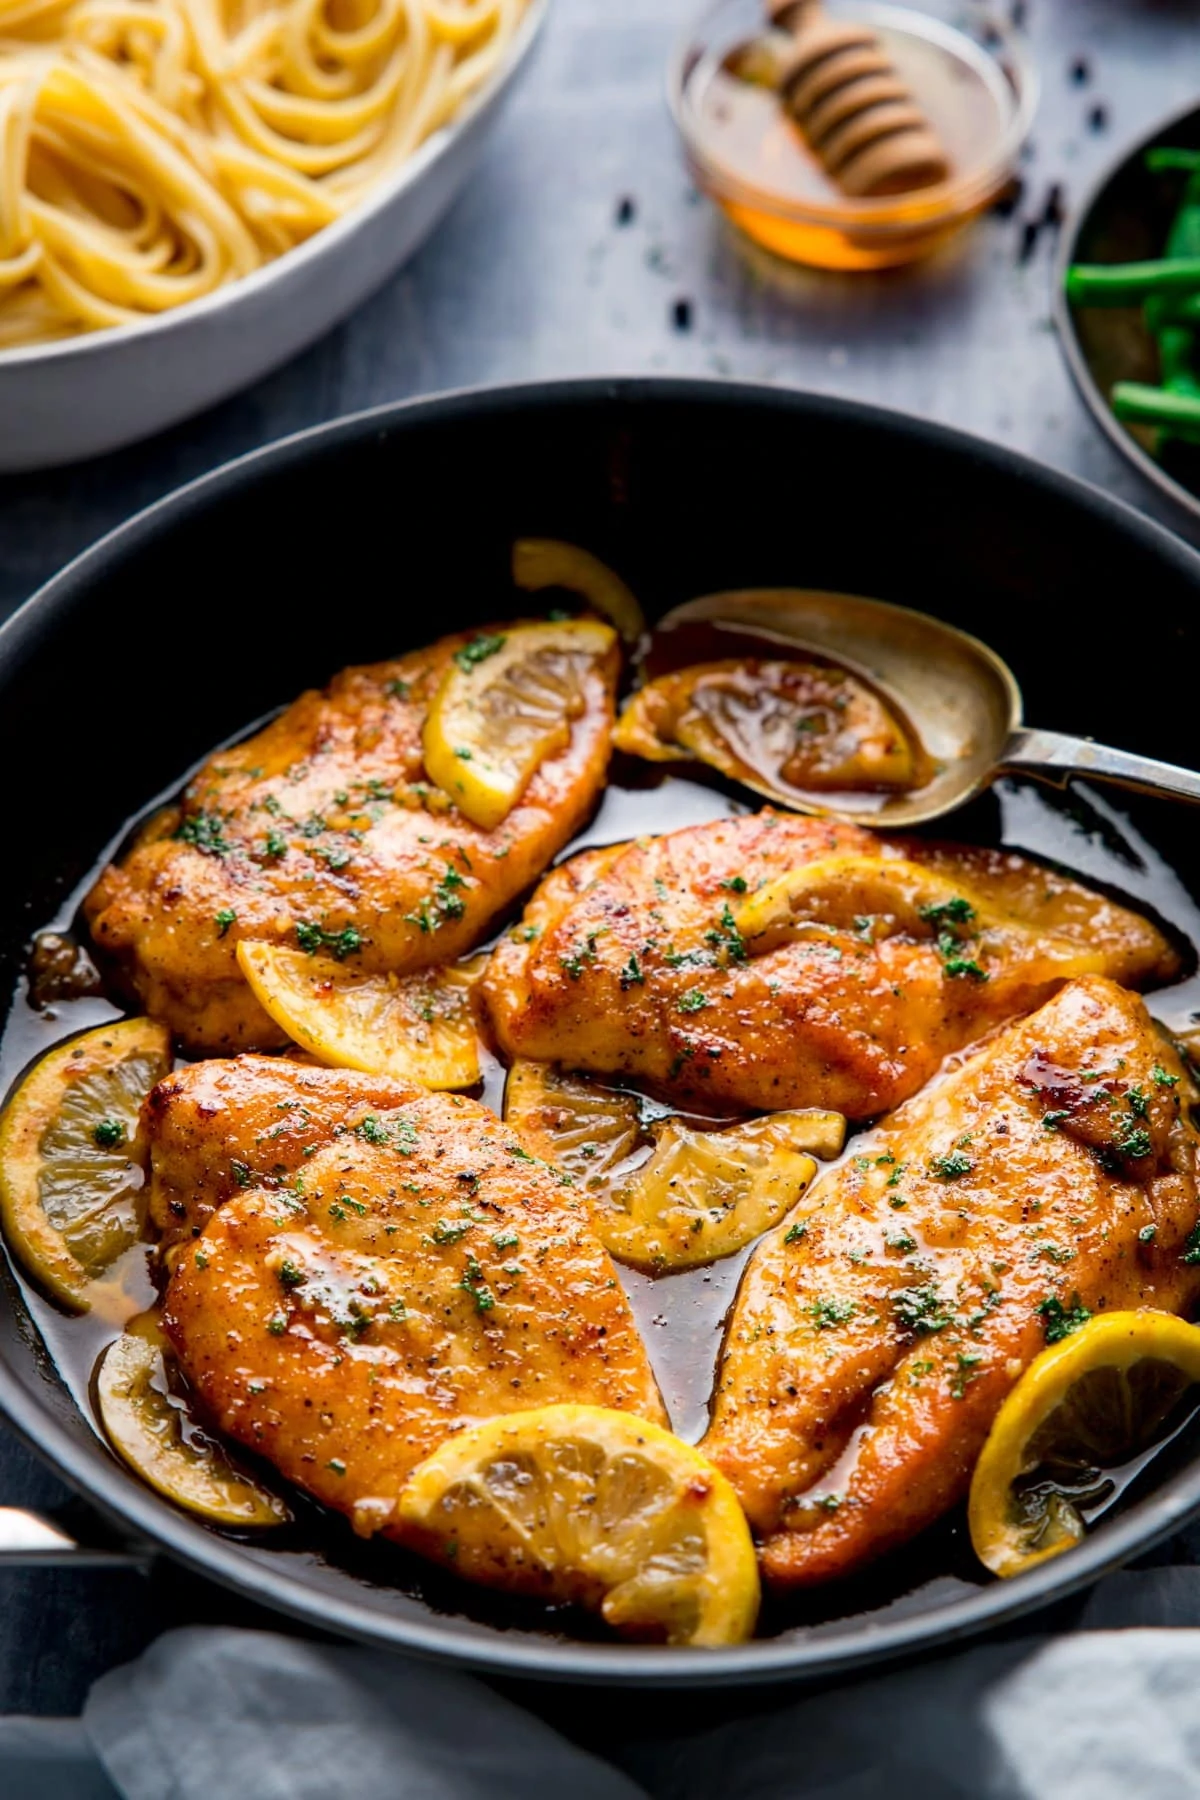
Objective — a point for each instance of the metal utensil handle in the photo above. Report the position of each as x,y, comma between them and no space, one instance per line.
1057,757
30,1540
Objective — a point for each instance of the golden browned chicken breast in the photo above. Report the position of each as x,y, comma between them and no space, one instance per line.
323,832
398,1266
876,1333
775,961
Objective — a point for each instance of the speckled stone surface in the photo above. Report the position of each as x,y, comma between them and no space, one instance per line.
541,271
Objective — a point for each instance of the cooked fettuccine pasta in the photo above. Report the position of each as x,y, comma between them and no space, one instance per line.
152,150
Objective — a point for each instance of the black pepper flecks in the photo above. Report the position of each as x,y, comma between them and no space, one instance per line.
1027,242
626,210
1098,117
1081,71
1054,211
681,315
1010,199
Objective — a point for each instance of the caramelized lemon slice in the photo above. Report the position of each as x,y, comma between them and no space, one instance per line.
665,1194
501,711
585,1505
1089,1403
71,1158
546,562
588,1130
785,729
706,1194
149,1427
897,896
414,1027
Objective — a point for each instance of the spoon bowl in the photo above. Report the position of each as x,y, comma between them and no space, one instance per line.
960,697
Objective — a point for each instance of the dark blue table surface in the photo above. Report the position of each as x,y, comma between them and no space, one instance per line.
535,275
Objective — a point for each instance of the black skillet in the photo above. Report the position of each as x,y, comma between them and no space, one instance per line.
355,540
1125,218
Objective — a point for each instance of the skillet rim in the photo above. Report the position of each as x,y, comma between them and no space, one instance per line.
130,1507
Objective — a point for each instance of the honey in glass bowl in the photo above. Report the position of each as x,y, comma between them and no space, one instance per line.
966,71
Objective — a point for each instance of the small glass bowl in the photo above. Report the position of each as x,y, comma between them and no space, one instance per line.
965,68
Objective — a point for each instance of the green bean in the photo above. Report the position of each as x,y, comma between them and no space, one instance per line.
1124,284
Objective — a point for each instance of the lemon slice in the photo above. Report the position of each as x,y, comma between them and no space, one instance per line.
546,562
585,1505
149,1427
707,1194
665,1194
71,1158
785,729
1089,1403
501,711
898,896
413,1027
587,1129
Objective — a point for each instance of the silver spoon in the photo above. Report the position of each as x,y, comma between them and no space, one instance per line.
961,697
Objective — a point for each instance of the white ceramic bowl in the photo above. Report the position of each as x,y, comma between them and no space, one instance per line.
65,401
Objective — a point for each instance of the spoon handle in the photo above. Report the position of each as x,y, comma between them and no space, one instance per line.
1057,758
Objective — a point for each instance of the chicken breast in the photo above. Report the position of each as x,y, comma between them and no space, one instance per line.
876,1333
889,954
406,1268
323,831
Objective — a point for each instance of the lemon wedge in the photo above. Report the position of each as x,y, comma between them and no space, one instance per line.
1089,1403
413,1027
547,562
505,704
585,1505
72,1161
149,1427
666,1195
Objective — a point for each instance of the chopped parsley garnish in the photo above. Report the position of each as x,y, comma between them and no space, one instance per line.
951,1166
473,1283
1163,1079
241,1173
725,936
574,964
900,1240
695,1000
795,1232
224,919
372,1132
340,944
735,883
921,1309
1147,1234
336,1465
1191,1250
947,912
478,650
955,966
108,1133
205,832
1138,1103
290,1276
827,1313
277,1324
1060,1321
1133,1140
447,1231
968,1370
506,1240
397,689
631,974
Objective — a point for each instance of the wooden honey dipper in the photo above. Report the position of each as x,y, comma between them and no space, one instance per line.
839,84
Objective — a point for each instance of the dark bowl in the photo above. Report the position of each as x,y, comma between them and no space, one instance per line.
1126,218
355,540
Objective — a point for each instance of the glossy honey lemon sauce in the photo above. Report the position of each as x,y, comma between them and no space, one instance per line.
680,1315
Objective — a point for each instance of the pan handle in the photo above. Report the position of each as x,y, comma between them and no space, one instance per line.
31,1540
